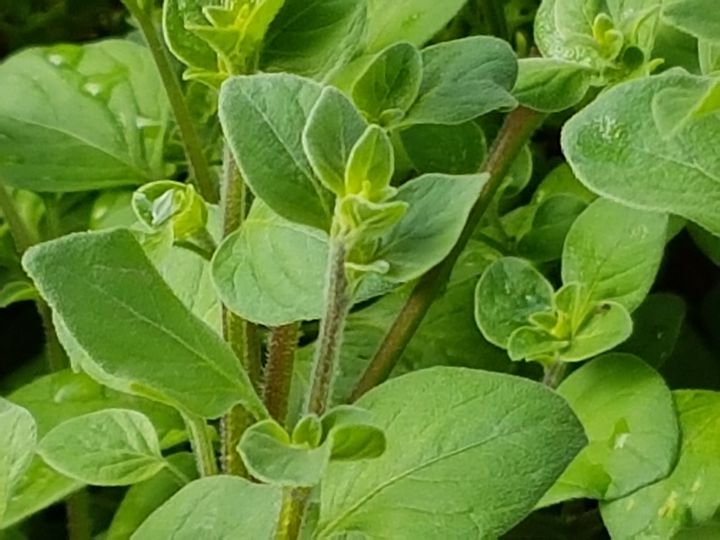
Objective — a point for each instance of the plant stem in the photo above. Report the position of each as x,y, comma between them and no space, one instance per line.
494,12
189,135
292,512
554,374
327,351
77,508
279,369
242,336
201,445
23,240
515,132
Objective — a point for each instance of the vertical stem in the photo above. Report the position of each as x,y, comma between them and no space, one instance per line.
494,11
337,306
79,524
189,135
279,370
242,336
201,445
515,132
291,513
554,374
19,232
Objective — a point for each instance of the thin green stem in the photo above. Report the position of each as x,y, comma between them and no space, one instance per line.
201,445
515,132
188,133
292,512
19,232
279,369
242,336
79,522
494,11
327,347
554,373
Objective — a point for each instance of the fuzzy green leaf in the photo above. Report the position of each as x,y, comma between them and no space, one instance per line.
690,495
416,21
617,148
454,149
629,416
77,118
450,430
114,447
699,18
464,79
263,117
508,293
172,357
18,448
314,37
185,44
390,84
551,85
614,252
211,504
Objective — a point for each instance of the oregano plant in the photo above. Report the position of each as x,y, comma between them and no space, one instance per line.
381,269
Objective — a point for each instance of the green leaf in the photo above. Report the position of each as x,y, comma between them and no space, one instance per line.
138,337
617,149
551,85
454,149
562,181
272,456
507,294
690,495
699,18
390,84
61,396
464,79
16,291
114,447
314,37
263,117
656,328
333,128
211,504
185,44
370,165
614,252
629,416
170,204
450,430
606,325
76,118
415,21
423,237
18,448
145,497
551,222
271,271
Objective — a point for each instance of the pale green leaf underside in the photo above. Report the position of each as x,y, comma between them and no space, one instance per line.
450,430
104,290
617,150
17,450
75,118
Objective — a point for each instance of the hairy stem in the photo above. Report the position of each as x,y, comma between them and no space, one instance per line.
515,132
189,135
242,336
279,369
292,512
201,445
327,347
